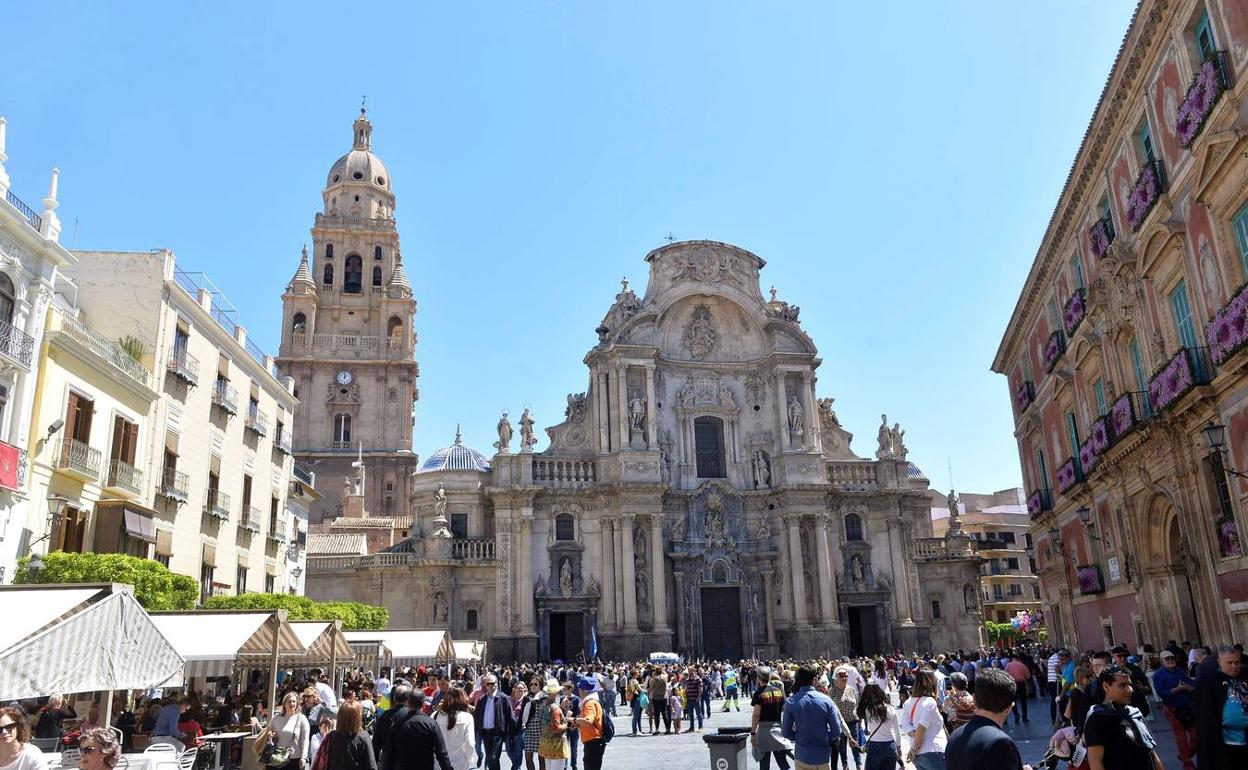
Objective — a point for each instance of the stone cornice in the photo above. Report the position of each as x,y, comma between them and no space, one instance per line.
1122,86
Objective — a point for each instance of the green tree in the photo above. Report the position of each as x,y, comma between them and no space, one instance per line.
354,615
155,587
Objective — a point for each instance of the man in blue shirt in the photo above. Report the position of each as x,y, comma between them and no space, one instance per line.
1175,688
810,719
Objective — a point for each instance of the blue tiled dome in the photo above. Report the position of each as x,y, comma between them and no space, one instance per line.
914,474
456,457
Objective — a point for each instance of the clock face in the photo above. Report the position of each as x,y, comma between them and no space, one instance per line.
344,377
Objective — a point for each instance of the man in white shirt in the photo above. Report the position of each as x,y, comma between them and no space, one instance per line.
324,691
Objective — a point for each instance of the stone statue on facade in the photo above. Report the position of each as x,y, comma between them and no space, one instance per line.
764,529
665,470
715,529
726,399
439,607
762,469
897,435
797,416
565,579
527,439
643,592
678,528
857,572
827,413
503,445
541,586
636,414
592,588
884,438
699,335
440,522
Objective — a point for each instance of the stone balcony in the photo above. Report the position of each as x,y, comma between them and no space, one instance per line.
564,474
862,476
312,345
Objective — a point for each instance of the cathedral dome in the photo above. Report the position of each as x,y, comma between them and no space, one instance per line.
456,457
360,165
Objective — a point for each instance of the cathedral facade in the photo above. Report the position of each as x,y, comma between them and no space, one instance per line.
698,496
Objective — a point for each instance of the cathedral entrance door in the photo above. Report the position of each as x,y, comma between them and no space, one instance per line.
721,623
567,635
863,633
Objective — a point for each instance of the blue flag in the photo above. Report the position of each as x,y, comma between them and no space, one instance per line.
593,643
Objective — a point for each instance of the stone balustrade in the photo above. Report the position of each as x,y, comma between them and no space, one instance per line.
857,476
564,473
463,548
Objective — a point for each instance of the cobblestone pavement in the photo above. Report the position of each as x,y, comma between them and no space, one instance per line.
688,752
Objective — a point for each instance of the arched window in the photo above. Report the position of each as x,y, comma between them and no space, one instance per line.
342,428
565,527
719,572
329,251
853,527
708,439
8,299
299,324
353,274
394,327
376,252
329,275
376,276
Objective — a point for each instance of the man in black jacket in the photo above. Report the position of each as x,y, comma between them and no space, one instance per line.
981,744
494,719
385,724
416,741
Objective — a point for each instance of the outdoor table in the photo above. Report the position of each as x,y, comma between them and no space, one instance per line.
224,739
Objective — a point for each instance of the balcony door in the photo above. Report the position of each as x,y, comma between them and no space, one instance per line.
78,417
1183,324
125,440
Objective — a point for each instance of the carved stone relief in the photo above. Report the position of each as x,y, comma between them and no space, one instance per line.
700,337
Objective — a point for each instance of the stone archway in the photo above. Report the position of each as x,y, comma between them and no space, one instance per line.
1171,573
1182,565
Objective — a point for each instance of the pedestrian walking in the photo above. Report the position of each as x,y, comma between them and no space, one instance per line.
921,720
1222,714
982,744
766,737
883,731
811,721
1177,692
1115,732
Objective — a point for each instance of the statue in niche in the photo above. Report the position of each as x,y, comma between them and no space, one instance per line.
636,412
678,528
715,529
541,586
884,438
643,592
639,548
592,588
439,607
699,335
439,502
527,439
504,434
970,598
665,470
726,399
762,469
565,579
797,416
897,436
857,572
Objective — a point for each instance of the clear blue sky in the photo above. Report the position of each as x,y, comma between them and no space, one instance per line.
894,163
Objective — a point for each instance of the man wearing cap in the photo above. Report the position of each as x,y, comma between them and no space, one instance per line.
589,724
494,719
1175,688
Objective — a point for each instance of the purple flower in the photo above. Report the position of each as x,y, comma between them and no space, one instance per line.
1100,436
1098,239
1228,539
1201,95
1142,196
1122,415
1075,312
1034,503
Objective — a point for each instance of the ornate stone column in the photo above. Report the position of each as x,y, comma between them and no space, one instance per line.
629,585
793,524
769,598
621,402
658,582
681,637
827,598
604,413
809,417
782,407
610,580
652,414
526,556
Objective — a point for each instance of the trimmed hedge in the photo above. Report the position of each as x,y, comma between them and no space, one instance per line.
155,587
354,615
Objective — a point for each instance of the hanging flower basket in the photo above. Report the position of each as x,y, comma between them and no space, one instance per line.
1099,238
1145,192
1089,578
1122,416
1037,503
1053,350
1067,476
1076,309
1207,86
1024,395
1172,382
1228,538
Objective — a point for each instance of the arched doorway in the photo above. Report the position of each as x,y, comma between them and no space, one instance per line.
1182,571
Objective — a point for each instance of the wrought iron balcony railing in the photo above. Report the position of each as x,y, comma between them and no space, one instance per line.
105,348
16,344
277,531
1148,187
79,459
184,366
33,219
1208,84
225,397
174,485
1100,236
1038,502
252,520
1188,368
124,477
217,504
257,422
281,439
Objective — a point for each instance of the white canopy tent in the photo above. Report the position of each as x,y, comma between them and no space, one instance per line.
213,641
323,645
469,650
411,647
79,638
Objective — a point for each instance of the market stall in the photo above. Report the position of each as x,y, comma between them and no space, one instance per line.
411,647
469,651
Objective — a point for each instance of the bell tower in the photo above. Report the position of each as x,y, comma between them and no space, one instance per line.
349,343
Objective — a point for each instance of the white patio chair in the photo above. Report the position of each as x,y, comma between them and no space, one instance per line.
187,760
71,757
164,743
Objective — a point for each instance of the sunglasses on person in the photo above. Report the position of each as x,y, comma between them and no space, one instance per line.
11,727
842,676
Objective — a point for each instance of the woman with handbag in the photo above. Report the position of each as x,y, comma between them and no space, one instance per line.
553,744
879,722
291,735
347,747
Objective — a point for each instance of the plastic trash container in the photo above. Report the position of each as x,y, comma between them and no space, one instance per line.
728,748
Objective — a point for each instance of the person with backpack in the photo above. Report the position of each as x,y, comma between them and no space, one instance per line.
1115,733
596,728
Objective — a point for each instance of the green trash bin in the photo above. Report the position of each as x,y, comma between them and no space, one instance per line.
728,749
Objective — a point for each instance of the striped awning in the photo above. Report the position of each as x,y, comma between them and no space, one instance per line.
323,642
68,639
212,641
411,647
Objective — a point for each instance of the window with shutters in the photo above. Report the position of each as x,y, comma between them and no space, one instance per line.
125,440
708,437
78,417
240,581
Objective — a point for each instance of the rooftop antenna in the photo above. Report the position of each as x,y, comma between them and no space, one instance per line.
951,486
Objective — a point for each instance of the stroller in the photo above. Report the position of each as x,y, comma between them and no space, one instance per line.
1061,748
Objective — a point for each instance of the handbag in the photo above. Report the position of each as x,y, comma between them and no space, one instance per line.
277,757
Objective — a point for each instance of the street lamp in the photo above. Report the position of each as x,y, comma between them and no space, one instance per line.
296,572
34,567
1215,435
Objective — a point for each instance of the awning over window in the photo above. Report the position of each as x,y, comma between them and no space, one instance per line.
210,555
164,542
139,525
244,559
67,639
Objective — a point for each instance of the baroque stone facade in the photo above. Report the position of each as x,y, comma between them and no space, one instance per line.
697,496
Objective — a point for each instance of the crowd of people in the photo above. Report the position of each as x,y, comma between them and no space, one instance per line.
879,713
